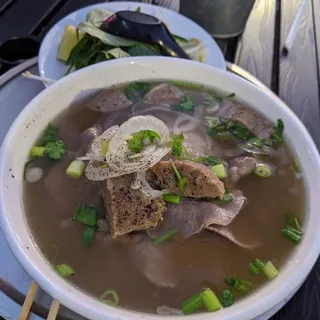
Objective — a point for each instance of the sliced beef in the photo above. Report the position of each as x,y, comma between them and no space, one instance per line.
240,167
165,94
108,100
251,119
191,215
155,262
230,235
200,180
130,210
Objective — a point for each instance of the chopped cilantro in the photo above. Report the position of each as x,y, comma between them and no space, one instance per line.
181,180
136,141
50,134
211,99
55,149
227,298
186,104
211,161
231,95
278,132
241,131
136,90
177,146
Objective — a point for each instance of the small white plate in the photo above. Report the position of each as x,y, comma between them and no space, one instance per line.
178,24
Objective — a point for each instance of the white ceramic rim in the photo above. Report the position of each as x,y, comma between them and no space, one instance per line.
146,68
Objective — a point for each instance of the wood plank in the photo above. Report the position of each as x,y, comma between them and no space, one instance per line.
298,83
255,49
298,87
23,16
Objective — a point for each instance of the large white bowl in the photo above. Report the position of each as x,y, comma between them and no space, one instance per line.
51,102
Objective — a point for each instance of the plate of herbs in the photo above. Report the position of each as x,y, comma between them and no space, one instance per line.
76,41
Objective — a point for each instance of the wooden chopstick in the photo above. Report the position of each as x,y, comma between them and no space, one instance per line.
53,310
28,301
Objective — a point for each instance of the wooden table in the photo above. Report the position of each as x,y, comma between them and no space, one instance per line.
294,77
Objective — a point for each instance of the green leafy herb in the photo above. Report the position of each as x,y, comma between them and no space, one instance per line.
86,52
186,104
177,147
241,285
231,95
212,99
227,298
55,149
138,9
136,90
143,50
241,131
211,161
181,180
136,142
50,134
278,132
227,197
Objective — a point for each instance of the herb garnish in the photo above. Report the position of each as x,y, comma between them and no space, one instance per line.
136,141
181,180
136,90
186,104
177,146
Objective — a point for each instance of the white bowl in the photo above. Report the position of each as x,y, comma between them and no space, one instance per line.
58,97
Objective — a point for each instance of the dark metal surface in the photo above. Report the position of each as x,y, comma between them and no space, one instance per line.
294,77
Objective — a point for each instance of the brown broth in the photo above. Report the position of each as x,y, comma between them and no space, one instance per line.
200,261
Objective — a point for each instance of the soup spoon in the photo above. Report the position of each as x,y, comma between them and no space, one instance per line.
142,27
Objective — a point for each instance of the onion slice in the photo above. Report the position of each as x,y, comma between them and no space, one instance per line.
119,159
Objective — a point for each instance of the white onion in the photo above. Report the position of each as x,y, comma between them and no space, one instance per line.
168,311
185,123
34,174
106,135
119,158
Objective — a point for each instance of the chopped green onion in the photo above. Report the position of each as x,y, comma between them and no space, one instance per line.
37,151
181,181
192,304
220,170
104,147
64,270
227,298
270,270
297,165
291,235
210,160
171,198
227,197
262,171
86,214
111,293
293,221
254,269
299,232
88,236
210,300
165,236
75,169
258,264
